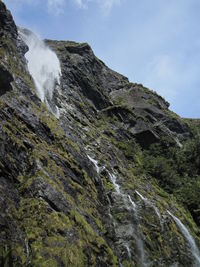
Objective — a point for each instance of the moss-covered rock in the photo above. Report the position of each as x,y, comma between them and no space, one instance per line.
59,207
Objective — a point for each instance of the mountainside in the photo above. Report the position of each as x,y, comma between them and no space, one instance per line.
101,173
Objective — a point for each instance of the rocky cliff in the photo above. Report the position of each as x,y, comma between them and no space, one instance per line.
114,181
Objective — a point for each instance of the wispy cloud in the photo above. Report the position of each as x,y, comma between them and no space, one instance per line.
108,4
55,6
81,3
105,5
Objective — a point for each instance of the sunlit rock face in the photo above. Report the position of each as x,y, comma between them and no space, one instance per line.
109,182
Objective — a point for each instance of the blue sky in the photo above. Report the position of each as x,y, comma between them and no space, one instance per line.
153,42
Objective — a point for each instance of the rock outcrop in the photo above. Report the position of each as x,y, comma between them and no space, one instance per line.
7,25
77,191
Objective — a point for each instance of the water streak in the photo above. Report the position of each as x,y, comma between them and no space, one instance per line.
130,205
27,252
141,196
114,179
95,162
149,203
140,244
128,251
193,247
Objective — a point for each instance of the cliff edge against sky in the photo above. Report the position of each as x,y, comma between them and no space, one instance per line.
112,180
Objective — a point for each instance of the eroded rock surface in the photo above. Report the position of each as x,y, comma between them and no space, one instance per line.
73,191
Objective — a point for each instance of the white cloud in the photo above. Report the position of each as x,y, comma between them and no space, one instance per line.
55,6
81,3
108,4
18,4
105,5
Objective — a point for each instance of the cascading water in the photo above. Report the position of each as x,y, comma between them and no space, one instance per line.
193,247
95,162
43,65
132,207
113,179
149,203
140,245
117,188
132,203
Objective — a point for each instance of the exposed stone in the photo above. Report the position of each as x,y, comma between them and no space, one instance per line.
7,25
5,80
59,204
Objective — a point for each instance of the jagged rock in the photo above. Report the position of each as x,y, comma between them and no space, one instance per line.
69,188
84,73
7,25
6,79
22,47
146,138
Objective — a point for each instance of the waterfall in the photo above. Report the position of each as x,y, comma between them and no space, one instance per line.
140,244
141,196
116,186
95,162
27,252
128,251
193,247
43,65
132,207
150,204
132,203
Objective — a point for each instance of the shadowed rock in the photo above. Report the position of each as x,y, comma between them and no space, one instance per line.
5,80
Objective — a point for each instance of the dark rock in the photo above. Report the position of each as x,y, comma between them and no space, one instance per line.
56,206
7,25
177,126
146,138
49,194
6,79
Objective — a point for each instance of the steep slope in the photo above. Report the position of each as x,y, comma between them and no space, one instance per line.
84,189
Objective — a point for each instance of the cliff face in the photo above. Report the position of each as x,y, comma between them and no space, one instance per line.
101,185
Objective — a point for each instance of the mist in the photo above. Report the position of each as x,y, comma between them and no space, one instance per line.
43,65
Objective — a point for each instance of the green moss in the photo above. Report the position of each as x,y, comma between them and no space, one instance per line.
18,252
77,238
43,230
13,132
172,114
52,123
120,217
5,256
83,225
109,186
127,263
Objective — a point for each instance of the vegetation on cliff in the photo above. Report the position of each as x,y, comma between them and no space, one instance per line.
82,190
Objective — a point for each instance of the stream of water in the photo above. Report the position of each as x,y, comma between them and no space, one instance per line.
132,207
151,204
193,247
